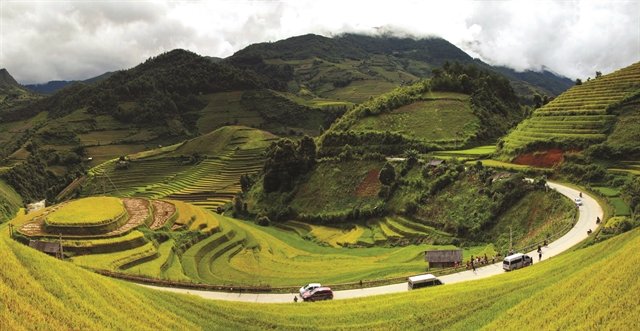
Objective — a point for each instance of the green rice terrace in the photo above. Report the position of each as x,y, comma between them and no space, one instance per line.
582,116
204,171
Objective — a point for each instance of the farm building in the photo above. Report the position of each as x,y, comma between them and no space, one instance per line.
443,258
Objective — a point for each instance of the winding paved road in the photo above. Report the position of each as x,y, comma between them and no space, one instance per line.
586,220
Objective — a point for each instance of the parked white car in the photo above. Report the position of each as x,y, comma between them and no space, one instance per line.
578,201
309,287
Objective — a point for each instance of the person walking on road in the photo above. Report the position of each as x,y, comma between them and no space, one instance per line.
539,253
295,298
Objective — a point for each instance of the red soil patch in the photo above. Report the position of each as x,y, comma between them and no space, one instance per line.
370,185
543,159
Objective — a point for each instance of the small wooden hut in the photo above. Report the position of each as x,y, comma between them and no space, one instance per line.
443,258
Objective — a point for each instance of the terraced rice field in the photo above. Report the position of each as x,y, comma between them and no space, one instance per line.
217,181
211,183
627,167
578,117
467,154
243,253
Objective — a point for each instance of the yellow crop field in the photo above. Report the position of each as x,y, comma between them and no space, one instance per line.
589,288
88,211
195,218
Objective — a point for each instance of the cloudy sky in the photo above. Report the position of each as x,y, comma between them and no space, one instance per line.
49,40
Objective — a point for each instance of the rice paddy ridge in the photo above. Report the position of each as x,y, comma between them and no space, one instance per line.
217,187
374,232
577,118
211,183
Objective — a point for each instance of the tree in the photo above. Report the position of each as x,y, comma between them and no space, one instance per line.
537,100
598,74
281,167
307,153
387,174
245,182
578,81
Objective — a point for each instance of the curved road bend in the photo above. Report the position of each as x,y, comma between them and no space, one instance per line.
586,220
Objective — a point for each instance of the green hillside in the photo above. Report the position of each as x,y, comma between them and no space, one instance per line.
459,106
352,67
10,202
54,294
585,115
12,94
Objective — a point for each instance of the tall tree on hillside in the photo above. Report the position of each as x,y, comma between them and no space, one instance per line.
281,167
307,153
387,174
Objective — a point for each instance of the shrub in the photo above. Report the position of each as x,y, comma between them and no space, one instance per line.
263,220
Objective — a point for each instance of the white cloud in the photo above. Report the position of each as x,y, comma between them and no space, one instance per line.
46,40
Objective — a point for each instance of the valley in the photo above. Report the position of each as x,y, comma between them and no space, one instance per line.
337,160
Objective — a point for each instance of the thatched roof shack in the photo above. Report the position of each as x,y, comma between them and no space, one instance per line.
443,258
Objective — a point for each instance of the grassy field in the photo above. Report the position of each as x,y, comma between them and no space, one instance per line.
580,116
471,152
359,91
87,211
620,206
53,294
445,118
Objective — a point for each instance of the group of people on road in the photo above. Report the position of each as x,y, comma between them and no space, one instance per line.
472,263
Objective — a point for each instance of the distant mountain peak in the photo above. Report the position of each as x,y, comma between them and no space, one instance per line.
6,79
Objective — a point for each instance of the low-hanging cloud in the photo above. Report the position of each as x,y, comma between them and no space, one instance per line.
42,41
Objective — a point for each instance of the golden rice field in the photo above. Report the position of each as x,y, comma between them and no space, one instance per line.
590,288
88,211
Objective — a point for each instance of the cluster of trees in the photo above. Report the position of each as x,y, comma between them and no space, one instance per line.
33,181
336,217
385,142
631,193
581,169
286,160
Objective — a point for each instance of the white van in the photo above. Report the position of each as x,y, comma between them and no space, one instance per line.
419,281
516,261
